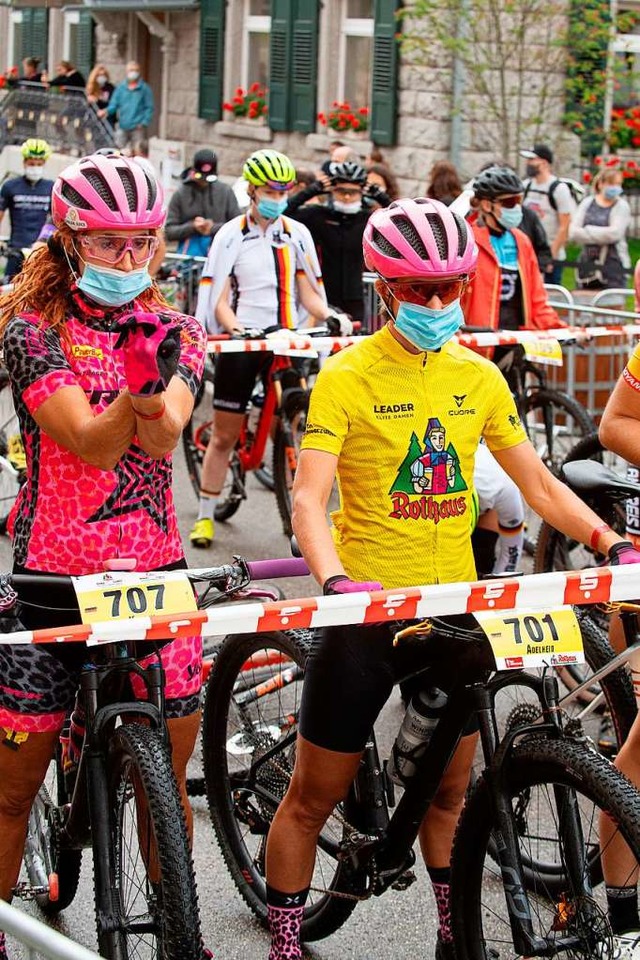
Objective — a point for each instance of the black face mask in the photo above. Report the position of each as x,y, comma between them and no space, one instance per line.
532,170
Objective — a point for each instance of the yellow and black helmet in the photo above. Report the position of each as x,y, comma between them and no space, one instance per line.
268,168
35,149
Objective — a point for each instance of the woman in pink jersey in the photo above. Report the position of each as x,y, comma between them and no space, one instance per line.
103,377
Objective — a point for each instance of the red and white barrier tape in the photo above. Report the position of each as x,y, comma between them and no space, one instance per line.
541,591
293,343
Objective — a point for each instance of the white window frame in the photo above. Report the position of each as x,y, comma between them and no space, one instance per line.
251,24
351,27
71,19
15,16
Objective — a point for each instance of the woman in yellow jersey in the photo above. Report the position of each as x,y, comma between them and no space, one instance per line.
398,418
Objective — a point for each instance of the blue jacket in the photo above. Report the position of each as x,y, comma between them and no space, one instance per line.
133,106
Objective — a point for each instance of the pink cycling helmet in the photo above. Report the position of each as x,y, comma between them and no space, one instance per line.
418,238
107,193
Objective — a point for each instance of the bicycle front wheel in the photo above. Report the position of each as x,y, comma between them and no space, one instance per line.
152,877
286,450
555,422
547,776
248,743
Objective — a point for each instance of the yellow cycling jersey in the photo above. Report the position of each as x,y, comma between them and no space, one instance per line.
405,428
631,373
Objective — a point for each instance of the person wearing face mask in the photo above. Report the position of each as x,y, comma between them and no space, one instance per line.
600,226
200,205
103,376
99,87
131,105
385,418
28,200
553,201
507,290
262,267
337,228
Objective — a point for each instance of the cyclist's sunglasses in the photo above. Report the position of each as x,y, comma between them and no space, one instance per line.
111,249
509,201
420,292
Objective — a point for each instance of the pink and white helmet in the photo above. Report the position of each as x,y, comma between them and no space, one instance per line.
107,193
419,238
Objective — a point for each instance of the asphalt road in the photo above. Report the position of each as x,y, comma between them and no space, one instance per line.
399,925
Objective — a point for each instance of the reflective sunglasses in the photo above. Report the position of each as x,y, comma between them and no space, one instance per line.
509,202
420,292
111,249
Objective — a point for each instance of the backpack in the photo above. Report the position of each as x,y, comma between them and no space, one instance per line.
576,190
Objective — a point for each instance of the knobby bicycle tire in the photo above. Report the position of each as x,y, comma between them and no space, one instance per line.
553,449
537,764
286,450
43,855
158,916
235,738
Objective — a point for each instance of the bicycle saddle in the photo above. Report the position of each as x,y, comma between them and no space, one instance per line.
591,477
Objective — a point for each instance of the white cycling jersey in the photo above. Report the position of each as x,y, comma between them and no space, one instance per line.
497,491
263,266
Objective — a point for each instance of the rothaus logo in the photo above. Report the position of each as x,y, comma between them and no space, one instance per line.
461,409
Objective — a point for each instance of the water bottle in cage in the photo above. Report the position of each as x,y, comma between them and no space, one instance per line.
417,727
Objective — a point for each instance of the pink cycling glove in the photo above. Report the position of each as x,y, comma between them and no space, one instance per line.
623,553
151,346
341,584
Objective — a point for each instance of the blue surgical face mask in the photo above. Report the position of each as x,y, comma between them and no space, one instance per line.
510,217
113,288
429,329
612,193
271,209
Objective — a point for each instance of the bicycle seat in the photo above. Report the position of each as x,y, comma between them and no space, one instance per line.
591,477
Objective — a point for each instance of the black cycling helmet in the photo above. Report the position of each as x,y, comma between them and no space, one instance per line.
497,182
347,172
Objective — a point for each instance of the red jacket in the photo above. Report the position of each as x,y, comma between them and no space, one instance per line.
481,301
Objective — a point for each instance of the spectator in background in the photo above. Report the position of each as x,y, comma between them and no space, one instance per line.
199,206
99,87
304,179
600,226
67,77
375,155
552,201
31,72
132,106
28,200
507,289
383,177
444,182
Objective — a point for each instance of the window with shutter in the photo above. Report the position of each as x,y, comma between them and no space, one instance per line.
304,74
384,79
85,51
211,58
280,65
33,35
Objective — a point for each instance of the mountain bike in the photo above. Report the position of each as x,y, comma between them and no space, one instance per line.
122,798
535,808
278,405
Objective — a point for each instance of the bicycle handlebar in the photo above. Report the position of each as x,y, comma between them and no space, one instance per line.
273,569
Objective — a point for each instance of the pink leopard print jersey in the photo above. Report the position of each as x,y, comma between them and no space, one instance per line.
70,516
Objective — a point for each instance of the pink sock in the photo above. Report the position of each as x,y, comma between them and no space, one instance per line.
284,923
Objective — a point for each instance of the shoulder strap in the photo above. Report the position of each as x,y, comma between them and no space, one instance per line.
552,190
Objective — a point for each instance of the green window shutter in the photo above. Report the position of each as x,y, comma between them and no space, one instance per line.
211,58
35,22
280,64
85,46
384,79
304,63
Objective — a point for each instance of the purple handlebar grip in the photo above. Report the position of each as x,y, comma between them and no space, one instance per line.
273,569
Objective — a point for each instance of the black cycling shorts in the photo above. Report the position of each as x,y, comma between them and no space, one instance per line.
349,676
236,375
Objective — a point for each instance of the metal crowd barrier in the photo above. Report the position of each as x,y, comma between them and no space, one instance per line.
38,939
65,120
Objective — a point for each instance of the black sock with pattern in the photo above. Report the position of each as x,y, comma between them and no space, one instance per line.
622,903
441,881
